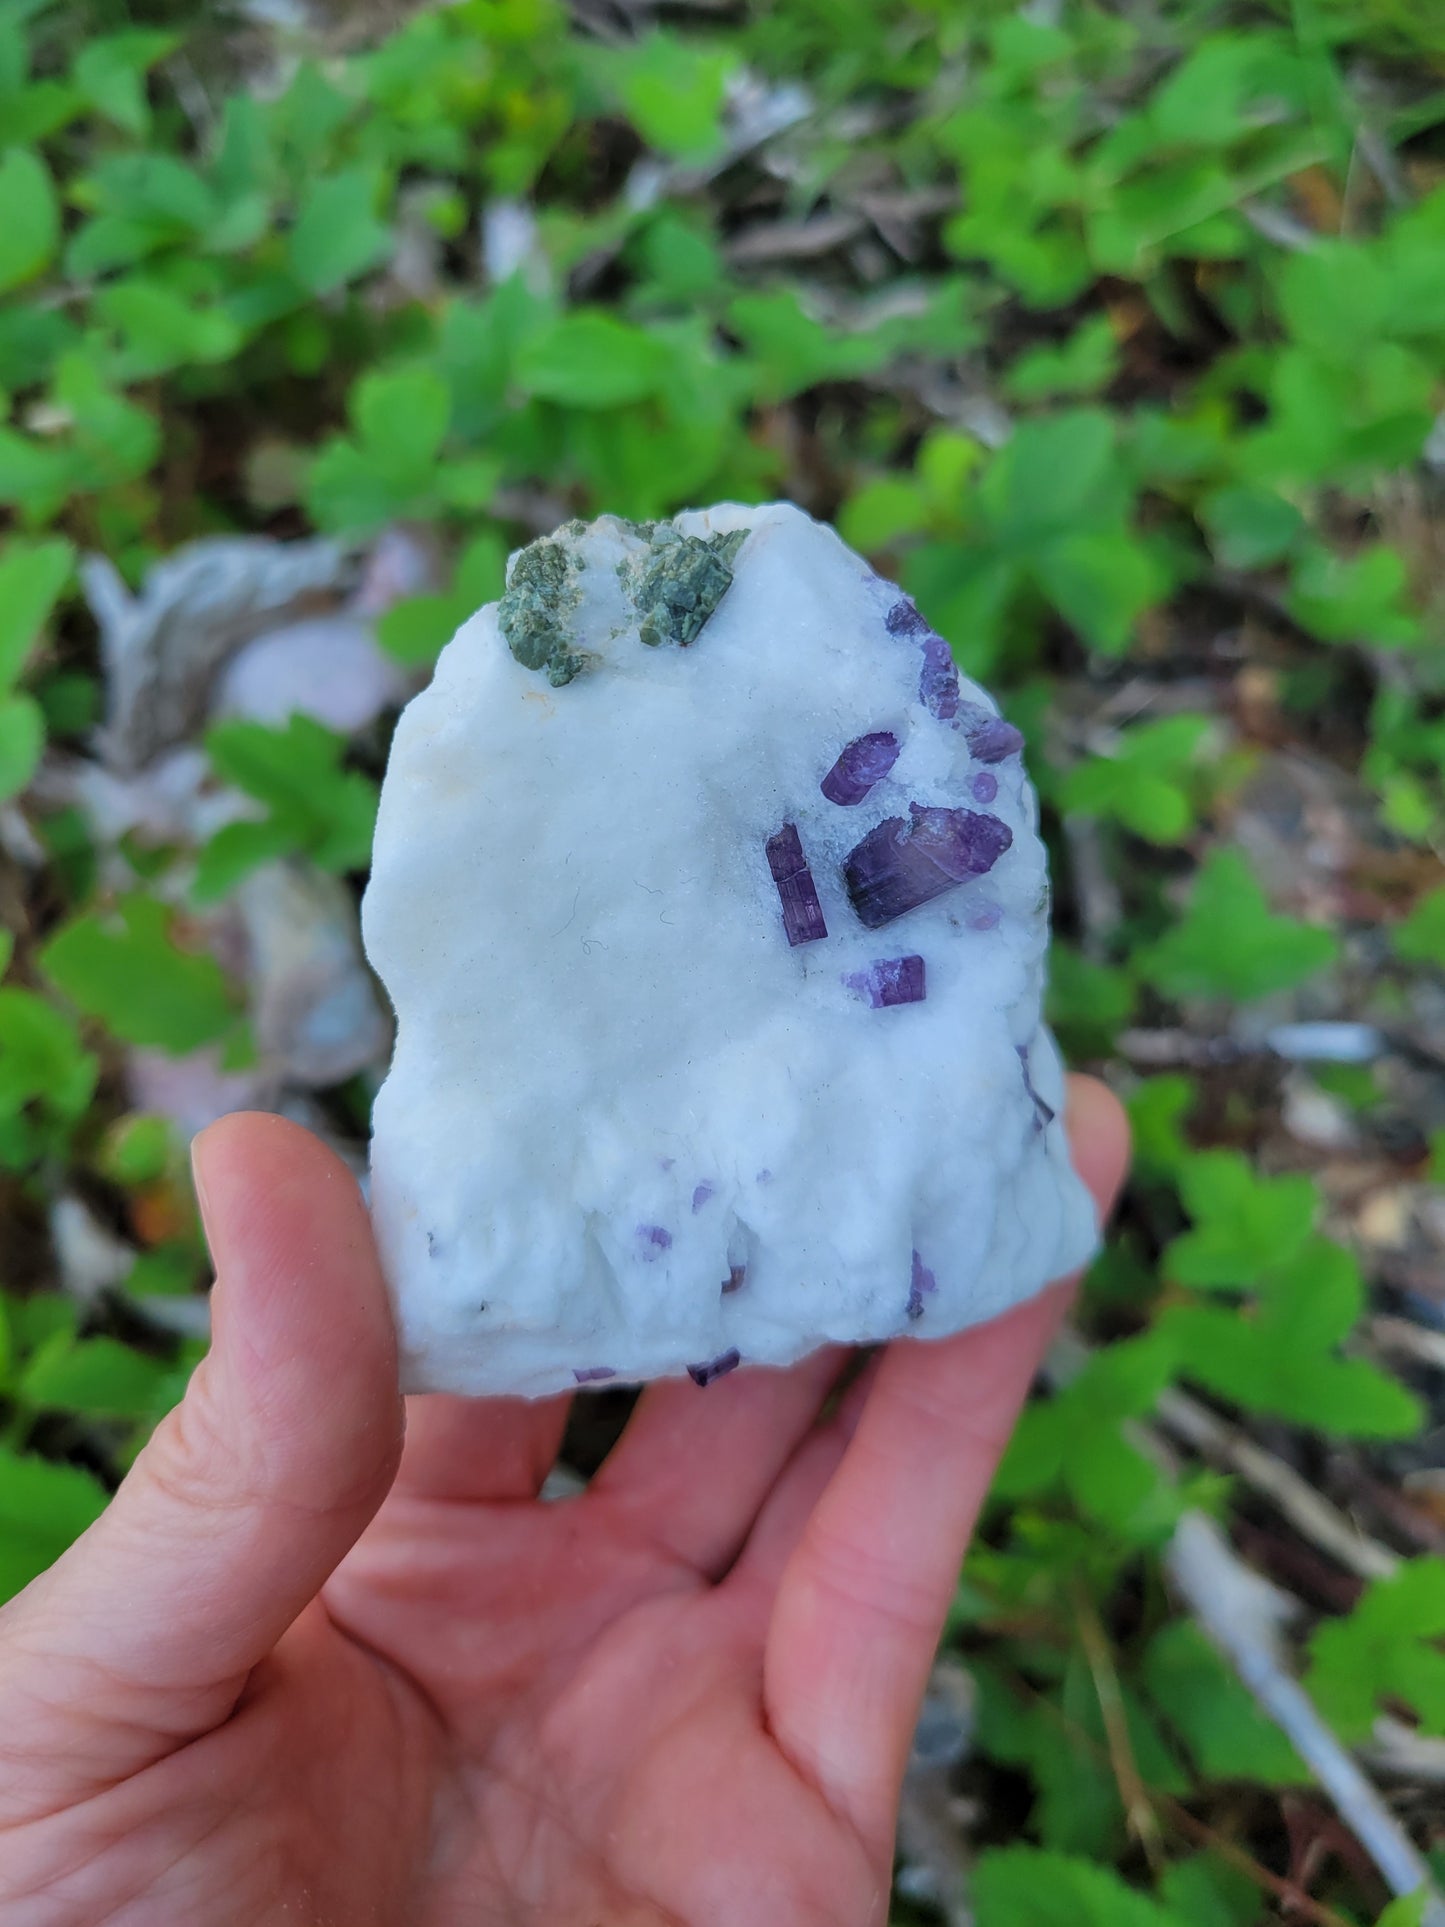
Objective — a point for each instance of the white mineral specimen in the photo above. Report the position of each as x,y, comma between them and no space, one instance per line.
716,941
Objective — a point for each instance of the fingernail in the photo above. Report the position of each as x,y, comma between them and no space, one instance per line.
198,1181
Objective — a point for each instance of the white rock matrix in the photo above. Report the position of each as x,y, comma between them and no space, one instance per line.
714,913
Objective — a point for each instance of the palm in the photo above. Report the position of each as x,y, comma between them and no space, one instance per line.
682,1697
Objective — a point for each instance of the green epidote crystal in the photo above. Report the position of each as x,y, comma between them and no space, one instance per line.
673,581
682,581
535,612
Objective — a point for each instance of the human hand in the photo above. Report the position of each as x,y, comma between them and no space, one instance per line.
299,1674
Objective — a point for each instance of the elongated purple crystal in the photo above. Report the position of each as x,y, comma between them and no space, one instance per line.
592,1374
921,1284
938,682
1044,1112
889,980
902,864
865,761
718,1367
802,912
989,737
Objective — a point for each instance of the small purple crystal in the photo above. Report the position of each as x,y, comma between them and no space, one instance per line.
1044,1112
701,1194
900,865
802,912
903,619
718,1367
985,786
592,1374
938,683
889,980
922,1283
865,761
984,915
989,737
656,1237
734,1279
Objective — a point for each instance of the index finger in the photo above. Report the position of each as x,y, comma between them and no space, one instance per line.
862,1599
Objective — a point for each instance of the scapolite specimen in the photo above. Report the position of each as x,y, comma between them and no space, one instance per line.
664,1098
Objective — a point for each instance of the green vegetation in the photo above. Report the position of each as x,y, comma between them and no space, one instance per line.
1117,335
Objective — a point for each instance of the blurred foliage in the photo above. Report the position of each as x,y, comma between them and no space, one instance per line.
1134,337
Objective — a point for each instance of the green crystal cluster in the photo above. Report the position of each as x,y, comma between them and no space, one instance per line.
535,612
682,582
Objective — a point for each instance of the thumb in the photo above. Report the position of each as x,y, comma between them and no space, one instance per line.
244,1500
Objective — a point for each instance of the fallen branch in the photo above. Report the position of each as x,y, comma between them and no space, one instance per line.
1239,1613
1311,1514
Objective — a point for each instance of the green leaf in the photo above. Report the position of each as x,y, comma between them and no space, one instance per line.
43,1508
315,806
1082,365
1357,598
337,235
1209,1891
1389,1647
1026,1887
1244,1226
1089,1003
161,330
1420,937
1157,1110
1217,1719
794,350
1250,527
110,72
1407,1911
30,229
124,967
1147,784
415,631
590,359
98,1376
673,91
1102,581
1230,944
41,1057
1052,475
401,418
22,739
137,1149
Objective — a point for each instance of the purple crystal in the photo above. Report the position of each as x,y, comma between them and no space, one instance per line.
701,1194
984,786
889,980
1044,1112
938,684
718,1367
734,1279
656,1237
900,865
592,1374
903,619
989,737
922,1283
984,915
802,912
865,761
